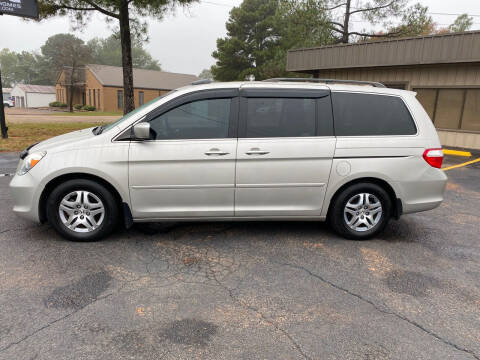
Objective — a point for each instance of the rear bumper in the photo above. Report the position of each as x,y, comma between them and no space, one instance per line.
24,191
424,193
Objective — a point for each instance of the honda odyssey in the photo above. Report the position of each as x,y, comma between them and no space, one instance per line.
353,153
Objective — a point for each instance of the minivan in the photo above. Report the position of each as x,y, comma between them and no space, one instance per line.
353,153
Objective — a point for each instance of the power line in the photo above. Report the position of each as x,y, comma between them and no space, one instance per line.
452,14
218,4
429,13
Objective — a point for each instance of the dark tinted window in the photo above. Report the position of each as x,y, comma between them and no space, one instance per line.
365,114
202,119
280,117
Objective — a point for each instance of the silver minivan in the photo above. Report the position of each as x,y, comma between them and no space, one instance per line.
353,153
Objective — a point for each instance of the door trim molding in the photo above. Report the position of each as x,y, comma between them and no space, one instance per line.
169,187
280,185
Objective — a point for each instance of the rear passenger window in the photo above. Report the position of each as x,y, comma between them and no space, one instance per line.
280,117
367,114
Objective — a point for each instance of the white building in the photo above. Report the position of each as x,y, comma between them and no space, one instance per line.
32,96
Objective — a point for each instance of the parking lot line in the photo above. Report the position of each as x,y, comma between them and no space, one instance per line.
457,152
461,165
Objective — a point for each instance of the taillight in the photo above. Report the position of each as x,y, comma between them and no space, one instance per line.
433,157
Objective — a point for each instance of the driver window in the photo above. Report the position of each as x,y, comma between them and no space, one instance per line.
202,119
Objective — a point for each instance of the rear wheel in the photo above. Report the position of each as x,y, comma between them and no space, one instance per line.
361,211
82,210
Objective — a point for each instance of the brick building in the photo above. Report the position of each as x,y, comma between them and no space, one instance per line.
102,85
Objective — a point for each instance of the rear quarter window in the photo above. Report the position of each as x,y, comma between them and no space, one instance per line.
370,114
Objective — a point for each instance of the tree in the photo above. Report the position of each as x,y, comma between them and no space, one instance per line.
206,74
109,52
126,13
384,12
415,21
260,32
65,51
251,39
462,23
301,23
8,63
24,67
62,50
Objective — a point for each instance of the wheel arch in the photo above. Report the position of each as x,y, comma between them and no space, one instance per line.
42,204
396,202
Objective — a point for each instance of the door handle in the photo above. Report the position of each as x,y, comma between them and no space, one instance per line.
216,152
256,151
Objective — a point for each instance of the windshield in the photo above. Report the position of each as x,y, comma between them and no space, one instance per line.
129,115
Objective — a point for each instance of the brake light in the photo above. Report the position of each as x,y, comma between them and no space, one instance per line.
434,157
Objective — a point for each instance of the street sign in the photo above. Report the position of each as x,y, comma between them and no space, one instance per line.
23,8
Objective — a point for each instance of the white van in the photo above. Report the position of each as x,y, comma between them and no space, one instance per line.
354,153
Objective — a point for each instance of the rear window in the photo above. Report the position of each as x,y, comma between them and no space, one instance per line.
368,114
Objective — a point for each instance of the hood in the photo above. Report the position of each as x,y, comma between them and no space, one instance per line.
68,138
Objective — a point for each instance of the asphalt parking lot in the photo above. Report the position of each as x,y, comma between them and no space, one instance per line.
265,290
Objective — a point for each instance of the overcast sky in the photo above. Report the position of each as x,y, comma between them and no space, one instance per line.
184,41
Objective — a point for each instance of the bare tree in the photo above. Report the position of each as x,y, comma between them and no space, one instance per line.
372,11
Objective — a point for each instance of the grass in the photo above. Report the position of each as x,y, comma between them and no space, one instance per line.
88,113
22,135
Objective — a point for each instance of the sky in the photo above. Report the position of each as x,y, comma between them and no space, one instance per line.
183,41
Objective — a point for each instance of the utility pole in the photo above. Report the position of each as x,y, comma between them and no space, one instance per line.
3,124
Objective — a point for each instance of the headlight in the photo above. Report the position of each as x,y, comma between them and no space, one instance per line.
30,161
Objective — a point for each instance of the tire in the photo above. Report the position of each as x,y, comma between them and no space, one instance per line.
365,222
88,206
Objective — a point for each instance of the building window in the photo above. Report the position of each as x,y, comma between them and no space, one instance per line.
140,98
89,96
98,98
94,100
120,99
453,109
449,108
471,110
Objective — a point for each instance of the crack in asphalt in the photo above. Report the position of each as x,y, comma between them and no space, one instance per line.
385,311
211,274
247,306
264,318
18,229
46,326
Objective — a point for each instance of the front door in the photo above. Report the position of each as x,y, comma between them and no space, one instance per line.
284,154
188,168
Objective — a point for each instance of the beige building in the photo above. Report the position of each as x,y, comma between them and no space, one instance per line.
444,71
101,86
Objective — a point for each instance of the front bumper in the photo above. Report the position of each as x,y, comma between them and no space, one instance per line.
25,193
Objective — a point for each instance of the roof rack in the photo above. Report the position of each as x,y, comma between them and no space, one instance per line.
202,81
328,81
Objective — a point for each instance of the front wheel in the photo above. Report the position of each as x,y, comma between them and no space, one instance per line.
361,211
82,210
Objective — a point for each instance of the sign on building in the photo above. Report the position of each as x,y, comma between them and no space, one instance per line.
23,8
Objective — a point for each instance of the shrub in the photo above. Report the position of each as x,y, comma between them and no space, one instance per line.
88,108
78,106
57,104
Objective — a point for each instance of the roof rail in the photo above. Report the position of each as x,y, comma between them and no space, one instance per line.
201,82
328,81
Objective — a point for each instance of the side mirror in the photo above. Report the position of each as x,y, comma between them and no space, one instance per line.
141,131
